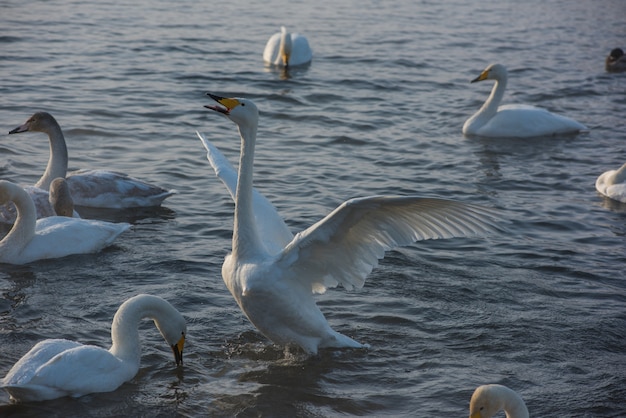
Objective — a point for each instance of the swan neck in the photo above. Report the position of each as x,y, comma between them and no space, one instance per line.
23,229
490,107
246,239
514,406
58,161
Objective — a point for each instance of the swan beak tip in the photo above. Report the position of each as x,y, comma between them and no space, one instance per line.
18,130
178,351
214,97
483,76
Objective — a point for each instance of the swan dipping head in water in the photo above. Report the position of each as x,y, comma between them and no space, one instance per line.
57,367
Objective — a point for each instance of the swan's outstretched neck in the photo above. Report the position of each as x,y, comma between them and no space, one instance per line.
246,240
490,107
58,161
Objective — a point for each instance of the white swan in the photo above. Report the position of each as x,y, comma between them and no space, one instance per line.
92,188
488,400
616,61
285,49
56,368
514,121
613,184
53,237
275,289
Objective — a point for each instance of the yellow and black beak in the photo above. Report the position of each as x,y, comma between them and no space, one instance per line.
226,103
178,350
481,77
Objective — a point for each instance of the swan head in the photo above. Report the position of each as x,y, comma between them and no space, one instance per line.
492,72
60,197
241,111
174,331
39,122
488,400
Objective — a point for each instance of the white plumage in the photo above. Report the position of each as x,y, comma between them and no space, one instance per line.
514,121
273,281
612,184
285,49
53,237
55,368
488,400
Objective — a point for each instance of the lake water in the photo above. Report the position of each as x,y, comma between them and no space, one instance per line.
540,307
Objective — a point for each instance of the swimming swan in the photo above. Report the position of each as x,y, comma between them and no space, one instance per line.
616,61
488,400
92,188
55,368
613,184
285,49
53,237
514,121
275,289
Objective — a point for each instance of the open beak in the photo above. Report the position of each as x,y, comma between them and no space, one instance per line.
226,104
178,350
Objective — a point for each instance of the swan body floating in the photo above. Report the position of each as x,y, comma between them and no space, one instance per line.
514,121
53,237
273,281
55,368
91,188
613,184
616,61
488,400
285,49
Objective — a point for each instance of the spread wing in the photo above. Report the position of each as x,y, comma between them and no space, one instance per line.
346,245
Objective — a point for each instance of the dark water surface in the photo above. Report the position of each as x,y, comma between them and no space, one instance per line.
540,308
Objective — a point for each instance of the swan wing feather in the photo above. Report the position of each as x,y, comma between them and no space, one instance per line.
346,245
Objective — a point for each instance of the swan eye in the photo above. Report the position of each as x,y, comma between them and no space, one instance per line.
243,104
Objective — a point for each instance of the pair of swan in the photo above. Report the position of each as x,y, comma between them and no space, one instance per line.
616,61
55,202
55,368
488,400
514,121
612,184
285,49
91,188
52,237
273,275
